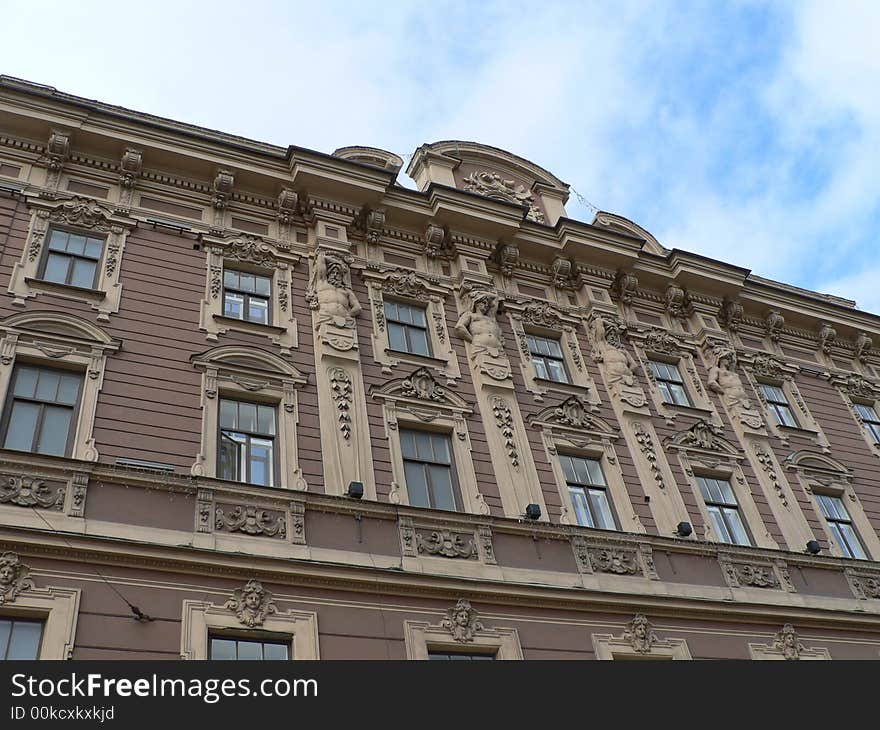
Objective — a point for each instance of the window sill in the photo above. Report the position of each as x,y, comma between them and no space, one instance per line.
253,327
52,287
796,430
416,359
692,410
570,388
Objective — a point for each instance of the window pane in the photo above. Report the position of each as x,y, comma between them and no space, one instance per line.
424,450
737,529
56,268
567,468
58,241
396,337
22,425
83,273
391,310
5,631
68,391
540,368
261,462
441,448
418,316
582,473
595,471
228,414
232,449
442,495
849,541
94,246
679,396
25,382
416,484
233,305
230,279
581,506
266,420
54,430
25,640
554,349
408,444
419,341
258,310
557,371
247,417
725,491
720,526
263,285
76,243
275,651
246,283
601,509
222,649
250,651
47,385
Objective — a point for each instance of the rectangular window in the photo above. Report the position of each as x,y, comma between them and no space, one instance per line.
778,405
247,442
246,296
841,526
407,328
870,419
547,358
40,415
428,470
20,639
72,258
458,656
670,383
233,649
723,510
588,492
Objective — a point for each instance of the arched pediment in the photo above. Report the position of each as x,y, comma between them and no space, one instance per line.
703,436
57,325
573,413
421,385
810,461
248,358
624,225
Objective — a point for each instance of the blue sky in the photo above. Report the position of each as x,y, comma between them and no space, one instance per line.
746,131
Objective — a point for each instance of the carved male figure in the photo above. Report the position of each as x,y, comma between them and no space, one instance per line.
619,364
479,325
330,290
723,379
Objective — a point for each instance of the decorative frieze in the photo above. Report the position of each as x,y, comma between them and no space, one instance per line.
492,185
613,557
462,622
504,421
250,520
252,604
755,574
446,544
341,389
662,342
14,577
864,584
26,491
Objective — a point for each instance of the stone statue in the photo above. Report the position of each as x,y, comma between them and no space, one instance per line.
723,379
619,364
788,643
330,290
640,634
251,604
479,325
14,577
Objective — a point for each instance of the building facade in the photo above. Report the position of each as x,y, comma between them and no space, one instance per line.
268,402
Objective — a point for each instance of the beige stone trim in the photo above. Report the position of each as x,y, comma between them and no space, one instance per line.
58,608
253,254
200,618
786,645
460,631
639,641
75,214
410,287
250,374
54,339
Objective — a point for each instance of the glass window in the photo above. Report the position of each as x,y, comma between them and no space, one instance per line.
234,649
723,510
841,526
870,419
246,296
20,639
428,470
458,656
407,328
588,492
778,405
247,442
547,358
40,410
669,382
72,258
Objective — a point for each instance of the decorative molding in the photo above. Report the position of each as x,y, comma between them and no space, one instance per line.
252,604
250,520
341,389
865,584
491,185
730,315
640,640
774,323
506,256
28,491
447,544
462,622
504,421
678,302
646,444
14,577
787,645
624,287
863,347
827,338
755,574
662,342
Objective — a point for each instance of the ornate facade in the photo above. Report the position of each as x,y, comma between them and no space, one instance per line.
269,399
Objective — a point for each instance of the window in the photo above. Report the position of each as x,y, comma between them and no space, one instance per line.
587,488
870,419
230,648
670,383
246,296
778,405
427,467
547,358
407,328
723,510
20,639
247,442
41,410
72,259
841,525
458,656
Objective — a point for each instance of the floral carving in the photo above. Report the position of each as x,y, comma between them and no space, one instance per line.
250,249
81,213
14,577
31,492
216,281
766,462
446,543
856,385
646,444
283,298
341,389
251,521
462,622
766,366
504,421
421,385
405,284
608,560
640,634
702,435
575,351
788,642
573,412
251,604
660,341
379,310
439,327
492,185
756,576
542,314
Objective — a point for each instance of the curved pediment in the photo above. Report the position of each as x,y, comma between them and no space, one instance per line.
815,462
59,325
421,385
573,413
703,436
616,222
239,357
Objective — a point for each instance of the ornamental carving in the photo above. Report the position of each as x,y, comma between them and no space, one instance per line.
330,293
618,364
702,435
504,421
57,149
646,444
223,184
405,284
370,222
542,314
640,634
751,576
624,287
788,642
251,604
506,256
31,492
863,345
678,301
564,273
341,389
421,385
251,521
437,241
250,249
130,165
14,577
662,342
766,462
112,256
479,324
81,213
730,315
446,544
856,385
573,412
492,185
774,322
864,585
766,366
462,622
610,560
827,337
724,380
288,206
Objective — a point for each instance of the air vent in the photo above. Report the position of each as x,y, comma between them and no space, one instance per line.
147,465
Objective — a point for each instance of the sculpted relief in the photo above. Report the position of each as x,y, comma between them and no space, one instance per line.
479,326
617,364
330,292
724,380
492,185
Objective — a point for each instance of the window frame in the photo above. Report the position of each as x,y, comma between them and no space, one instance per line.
21,620
254,637
865,427
70,230
453,471
531,338
840,540
276,459
604,488
722,508
658,380
773,406
247,296
406,326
